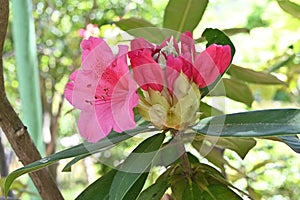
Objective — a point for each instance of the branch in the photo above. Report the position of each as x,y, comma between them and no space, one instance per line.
50,147
16,132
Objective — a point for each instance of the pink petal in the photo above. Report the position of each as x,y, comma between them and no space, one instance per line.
119,91
83,90
73,75
112,74
187,67
221,56
121,66
98,58
188,50
88,45
68,93
124,99
173,69
146,71
211,63
188,34
91,90
140,43
90,128
105,118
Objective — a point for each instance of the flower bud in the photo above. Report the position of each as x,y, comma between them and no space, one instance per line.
177,110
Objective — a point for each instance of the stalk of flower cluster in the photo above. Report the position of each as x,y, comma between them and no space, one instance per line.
184,160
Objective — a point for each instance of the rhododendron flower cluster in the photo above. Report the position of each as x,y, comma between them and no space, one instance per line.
163,85
170,76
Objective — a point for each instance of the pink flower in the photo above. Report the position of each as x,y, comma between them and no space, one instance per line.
103,90
91,30
170,75
203,69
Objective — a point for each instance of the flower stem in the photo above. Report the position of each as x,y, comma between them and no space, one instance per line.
185,163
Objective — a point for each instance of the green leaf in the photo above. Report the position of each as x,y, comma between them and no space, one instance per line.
252,76
284,62
213,148
213,154
68,166
133,23
219,191
142,28
235,90
260,165
239,145
178,186
167,154
192,192
203,176
228,32
290,7
137,164
260,123
98,189
215,36
233,31
78,150
136,188
155,191
210,176
292,141
184,15
207,110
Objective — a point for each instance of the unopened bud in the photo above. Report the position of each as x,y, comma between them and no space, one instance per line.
177,111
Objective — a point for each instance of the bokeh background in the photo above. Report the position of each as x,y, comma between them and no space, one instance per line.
266,38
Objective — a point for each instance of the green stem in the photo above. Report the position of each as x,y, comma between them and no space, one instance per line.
185,163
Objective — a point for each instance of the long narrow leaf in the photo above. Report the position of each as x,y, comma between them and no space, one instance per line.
292,141
252,76
135,166
252,124
78,150
290,7
98,189
142,28
155,191
235,90
184,15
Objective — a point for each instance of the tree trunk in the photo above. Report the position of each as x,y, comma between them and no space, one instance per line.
15,130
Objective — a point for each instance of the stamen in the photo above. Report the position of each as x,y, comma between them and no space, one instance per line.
89,101
102,99
169,48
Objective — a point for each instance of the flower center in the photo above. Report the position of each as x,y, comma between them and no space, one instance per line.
169,48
